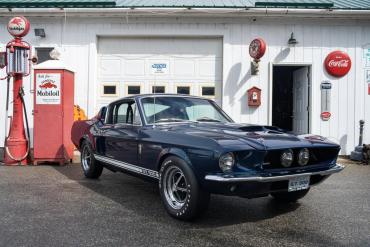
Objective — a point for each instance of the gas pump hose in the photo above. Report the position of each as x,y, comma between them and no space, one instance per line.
21,94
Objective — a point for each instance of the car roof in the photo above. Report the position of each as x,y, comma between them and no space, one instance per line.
141,96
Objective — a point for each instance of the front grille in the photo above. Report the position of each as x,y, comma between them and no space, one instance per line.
317,156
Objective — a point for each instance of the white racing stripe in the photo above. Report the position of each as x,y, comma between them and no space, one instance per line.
127,166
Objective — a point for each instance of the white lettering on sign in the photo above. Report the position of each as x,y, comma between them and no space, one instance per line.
47,89
339,64
159,68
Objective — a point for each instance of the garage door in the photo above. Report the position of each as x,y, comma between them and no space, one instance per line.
129,66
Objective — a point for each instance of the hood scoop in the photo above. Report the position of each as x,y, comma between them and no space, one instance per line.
262,128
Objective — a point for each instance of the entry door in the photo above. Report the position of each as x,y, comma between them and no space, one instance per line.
300,100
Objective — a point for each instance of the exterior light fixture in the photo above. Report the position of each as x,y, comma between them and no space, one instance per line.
40,32
292,40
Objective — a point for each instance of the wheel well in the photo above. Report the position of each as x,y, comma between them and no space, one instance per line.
163,158
81,141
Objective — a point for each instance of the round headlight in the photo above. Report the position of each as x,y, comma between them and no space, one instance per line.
303,157
286,158
226,162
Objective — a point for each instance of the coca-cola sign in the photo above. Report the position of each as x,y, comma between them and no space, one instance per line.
325,116
338,63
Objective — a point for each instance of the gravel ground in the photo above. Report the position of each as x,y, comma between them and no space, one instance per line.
57,206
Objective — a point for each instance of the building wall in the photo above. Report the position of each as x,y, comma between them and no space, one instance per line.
77,38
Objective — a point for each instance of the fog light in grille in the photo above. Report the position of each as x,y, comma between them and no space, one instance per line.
303,157
286,158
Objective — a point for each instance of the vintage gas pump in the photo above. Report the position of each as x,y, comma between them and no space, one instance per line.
18,63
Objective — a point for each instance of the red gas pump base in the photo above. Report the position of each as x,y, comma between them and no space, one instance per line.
15,150
16,145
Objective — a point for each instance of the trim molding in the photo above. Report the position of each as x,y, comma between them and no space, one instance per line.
127,166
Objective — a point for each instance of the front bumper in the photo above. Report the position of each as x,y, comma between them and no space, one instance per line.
229,178
262,184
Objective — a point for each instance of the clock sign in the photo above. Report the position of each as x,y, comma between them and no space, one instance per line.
257,48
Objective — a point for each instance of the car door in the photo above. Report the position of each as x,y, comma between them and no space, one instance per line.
121,137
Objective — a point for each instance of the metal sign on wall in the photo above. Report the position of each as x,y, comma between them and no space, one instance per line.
47,89
338,63
159,67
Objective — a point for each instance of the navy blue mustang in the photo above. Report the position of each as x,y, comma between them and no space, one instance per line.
192,148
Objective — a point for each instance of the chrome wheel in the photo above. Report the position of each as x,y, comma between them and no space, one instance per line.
86,158
175,187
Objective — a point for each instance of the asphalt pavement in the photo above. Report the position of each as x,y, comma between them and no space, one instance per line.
57,206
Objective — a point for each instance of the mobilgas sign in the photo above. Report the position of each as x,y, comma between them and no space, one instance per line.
47,89
18,26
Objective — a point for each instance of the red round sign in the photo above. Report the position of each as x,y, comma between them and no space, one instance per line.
325,115
257,48
18,26
338,63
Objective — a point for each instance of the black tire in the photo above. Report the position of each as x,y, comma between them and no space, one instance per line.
91,167
187,201
289,196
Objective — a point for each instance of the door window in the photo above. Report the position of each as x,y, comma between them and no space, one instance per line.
125,113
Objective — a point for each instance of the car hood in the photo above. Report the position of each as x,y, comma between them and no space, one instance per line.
256,136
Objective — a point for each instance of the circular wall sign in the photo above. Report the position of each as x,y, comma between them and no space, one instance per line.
257,48
18,26
338,63
325,115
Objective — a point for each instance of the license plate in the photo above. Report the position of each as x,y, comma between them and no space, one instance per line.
299,183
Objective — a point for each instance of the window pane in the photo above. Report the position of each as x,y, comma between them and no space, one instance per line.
208,91
158,89
122,113
43,54
133,90
109,90
183,90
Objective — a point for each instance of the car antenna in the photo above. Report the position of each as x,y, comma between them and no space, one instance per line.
155,89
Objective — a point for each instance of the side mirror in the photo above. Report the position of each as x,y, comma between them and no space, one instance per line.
102,113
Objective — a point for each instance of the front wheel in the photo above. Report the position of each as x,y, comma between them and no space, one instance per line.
289,196
180,192
91,167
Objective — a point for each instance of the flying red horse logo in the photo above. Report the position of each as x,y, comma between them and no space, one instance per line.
48,84
17,21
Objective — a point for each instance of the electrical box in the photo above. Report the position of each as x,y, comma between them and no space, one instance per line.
53,112
254,96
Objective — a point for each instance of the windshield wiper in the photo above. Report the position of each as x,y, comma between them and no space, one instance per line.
163,120
207,119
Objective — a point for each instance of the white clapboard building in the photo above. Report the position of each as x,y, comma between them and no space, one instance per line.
120,48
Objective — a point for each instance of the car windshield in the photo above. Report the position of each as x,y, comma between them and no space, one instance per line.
181,109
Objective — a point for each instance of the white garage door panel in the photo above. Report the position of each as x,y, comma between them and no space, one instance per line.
134,67
196,62
110,67
184,67
182,46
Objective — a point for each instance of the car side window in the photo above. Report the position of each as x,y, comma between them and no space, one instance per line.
122,113
125,113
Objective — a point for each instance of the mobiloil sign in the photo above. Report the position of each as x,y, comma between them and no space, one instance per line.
47,88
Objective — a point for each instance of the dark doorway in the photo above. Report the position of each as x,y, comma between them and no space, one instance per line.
290,98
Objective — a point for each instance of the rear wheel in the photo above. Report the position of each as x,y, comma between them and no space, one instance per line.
181,194
289,196
91,167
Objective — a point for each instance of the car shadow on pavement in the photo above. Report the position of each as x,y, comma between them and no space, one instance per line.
142,198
